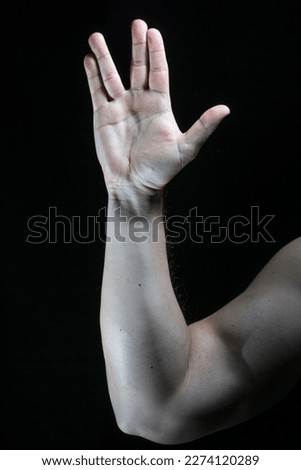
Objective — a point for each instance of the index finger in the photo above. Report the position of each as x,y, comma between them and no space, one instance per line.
158,67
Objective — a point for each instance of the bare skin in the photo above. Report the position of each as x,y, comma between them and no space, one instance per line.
169,382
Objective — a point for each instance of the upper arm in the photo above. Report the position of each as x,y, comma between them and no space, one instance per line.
246,356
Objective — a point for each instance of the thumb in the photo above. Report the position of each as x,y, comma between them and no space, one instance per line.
199,132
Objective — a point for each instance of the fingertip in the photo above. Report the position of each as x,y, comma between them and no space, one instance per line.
221,110
153,32
154,38
214,116
94,39
139,31
226,110
90,65
88,58
139,22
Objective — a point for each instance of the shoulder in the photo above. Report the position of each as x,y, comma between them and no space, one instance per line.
264,322
246,356
290,254
283,270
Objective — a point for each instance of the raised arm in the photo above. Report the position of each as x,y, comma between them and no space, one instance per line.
168,382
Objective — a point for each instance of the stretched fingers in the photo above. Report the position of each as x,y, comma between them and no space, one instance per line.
97,90
158,67
139,65
109,75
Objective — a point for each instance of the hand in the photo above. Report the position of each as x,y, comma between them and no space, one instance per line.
138,142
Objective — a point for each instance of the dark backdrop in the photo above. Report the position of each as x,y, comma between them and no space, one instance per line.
241,53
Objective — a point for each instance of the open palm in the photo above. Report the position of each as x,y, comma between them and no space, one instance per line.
138,142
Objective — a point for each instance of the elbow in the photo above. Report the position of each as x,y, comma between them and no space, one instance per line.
140,418
133,425
157,426
134,428
148,430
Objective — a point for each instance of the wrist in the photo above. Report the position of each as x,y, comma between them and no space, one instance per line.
134,217
135,202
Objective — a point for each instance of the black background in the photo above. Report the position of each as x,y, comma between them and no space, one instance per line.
241,53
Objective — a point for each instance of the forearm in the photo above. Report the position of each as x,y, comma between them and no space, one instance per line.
145,337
